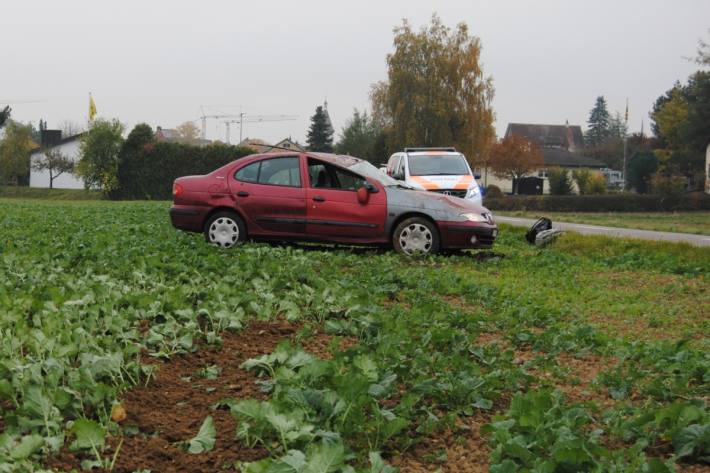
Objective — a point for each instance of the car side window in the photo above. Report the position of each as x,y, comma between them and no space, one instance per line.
249,173
273,172
280,172
326,176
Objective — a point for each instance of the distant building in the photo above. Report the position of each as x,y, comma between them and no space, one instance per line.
561,146
288,144
261,146
69,146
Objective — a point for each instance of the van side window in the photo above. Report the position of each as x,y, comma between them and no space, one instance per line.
400,168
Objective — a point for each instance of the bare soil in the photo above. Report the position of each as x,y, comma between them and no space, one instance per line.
172,407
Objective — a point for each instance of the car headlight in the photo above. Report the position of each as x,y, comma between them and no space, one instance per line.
472,217
473,192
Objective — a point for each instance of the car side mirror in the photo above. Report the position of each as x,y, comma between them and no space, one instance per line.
371,188
363,195
397,176
476,175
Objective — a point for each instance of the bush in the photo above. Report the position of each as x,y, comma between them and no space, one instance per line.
589,182
668,185
603,203
23,192
147,169
494,192
560,182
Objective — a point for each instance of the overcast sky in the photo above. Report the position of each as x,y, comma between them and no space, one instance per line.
158,61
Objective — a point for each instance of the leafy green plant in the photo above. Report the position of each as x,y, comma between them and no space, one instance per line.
205,439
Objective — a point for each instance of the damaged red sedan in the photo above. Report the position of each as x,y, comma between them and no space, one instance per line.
326,198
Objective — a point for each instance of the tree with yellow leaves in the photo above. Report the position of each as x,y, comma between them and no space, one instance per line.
436,93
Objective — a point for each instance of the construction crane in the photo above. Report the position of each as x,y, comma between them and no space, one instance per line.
243,118
218,116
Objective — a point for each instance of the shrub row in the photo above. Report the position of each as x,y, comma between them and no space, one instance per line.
147,170
602,203
24,192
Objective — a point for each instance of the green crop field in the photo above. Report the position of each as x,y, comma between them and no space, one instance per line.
128,346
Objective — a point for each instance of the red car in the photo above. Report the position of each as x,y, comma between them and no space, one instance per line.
327,198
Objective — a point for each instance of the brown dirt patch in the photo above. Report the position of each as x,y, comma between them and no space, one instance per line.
172,407
464,451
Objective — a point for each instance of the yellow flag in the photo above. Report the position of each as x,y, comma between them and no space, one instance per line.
92,108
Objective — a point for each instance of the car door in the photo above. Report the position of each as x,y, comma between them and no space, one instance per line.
333,207
270,194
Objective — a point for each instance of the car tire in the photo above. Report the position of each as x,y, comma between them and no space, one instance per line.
416,235
225,229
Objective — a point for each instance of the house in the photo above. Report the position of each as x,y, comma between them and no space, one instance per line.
288,144
261,146
561,145
69,146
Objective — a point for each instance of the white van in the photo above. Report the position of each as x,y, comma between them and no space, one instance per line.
442,170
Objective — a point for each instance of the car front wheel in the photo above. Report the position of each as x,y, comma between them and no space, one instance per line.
225,229
416,235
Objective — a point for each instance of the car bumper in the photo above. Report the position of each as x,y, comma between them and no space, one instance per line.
187,217
467,234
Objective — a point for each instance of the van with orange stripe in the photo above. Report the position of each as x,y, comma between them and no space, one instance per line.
442,170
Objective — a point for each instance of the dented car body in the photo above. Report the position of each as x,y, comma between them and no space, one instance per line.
327,198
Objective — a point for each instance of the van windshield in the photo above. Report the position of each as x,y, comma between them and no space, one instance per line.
437,165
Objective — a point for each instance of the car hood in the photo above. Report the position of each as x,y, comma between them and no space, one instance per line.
431,201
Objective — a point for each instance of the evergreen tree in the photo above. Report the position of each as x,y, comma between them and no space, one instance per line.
320,135
359,138
617,126
598,123
4,115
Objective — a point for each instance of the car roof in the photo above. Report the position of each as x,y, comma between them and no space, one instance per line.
342,160
434,153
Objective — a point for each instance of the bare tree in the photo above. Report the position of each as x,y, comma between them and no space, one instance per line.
71,128
56,163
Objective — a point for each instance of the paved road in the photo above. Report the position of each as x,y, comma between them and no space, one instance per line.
697,240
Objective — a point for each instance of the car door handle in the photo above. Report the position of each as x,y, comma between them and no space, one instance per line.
243,194
319,198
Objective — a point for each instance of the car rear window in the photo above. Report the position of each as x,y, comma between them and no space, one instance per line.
273,172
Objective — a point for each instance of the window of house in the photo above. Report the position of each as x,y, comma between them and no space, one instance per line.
542,173
326,176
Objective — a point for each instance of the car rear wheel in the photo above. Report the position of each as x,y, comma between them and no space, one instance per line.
225,229
416,235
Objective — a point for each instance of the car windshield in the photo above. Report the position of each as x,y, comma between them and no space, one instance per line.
437,165
366,169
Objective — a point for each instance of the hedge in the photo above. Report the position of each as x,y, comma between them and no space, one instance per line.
602,203
148,171
24,192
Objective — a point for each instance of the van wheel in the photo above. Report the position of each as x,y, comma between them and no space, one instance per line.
416,235
225,229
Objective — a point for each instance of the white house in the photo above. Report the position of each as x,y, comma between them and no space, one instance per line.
67,146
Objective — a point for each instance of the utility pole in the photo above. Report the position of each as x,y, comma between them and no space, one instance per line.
626,121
